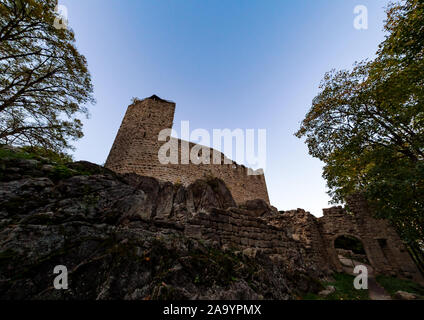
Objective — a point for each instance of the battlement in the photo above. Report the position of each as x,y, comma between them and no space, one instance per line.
136,148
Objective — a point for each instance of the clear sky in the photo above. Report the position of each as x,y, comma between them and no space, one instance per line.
227,64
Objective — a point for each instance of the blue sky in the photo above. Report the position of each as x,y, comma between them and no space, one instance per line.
227,64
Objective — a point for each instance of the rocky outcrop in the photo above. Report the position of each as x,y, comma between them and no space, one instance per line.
132,237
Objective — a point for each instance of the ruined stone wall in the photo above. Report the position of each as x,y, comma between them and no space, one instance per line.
246,230
384,249
298,237
304,227
136,150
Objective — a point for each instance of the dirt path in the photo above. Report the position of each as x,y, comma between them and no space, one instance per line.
375,291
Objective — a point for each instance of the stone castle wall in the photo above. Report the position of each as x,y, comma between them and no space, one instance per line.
244,230
299,238
384,249
136,148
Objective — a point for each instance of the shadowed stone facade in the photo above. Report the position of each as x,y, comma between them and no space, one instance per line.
384,249
301,238
136,148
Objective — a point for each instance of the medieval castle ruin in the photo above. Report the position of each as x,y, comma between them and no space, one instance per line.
135,150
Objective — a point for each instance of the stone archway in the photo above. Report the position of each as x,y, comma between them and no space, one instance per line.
350,252
385,250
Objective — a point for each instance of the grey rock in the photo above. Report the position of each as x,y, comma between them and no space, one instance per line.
328,290
128,237
403,295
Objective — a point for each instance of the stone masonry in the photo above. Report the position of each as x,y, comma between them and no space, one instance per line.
299,238
136,148
384,249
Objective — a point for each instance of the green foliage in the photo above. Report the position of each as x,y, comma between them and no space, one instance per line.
62,165
12,154
392,285
344,290
57,157
61,172
214,266
367,125
44,80
36,153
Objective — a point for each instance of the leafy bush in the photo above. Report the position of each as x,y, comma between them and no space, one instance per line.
37,153
58,157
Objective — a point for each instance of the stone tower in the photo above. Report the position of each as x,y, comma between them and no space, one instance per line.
136,146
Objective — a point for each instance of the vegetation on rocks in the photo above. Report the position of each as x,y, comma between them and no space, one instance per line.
344,289
393,285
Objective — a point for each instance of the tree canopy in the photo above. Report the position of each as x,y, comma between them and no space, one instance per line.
44,81
367,125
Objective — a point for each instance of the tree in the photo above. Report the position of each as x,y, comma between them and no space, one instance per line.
44,81
367,125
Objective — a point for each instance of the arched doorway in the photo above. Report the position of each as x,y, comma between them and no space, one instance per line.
350,252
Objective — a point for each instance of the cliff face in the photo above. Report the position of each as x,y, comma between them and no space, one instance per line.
133,237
